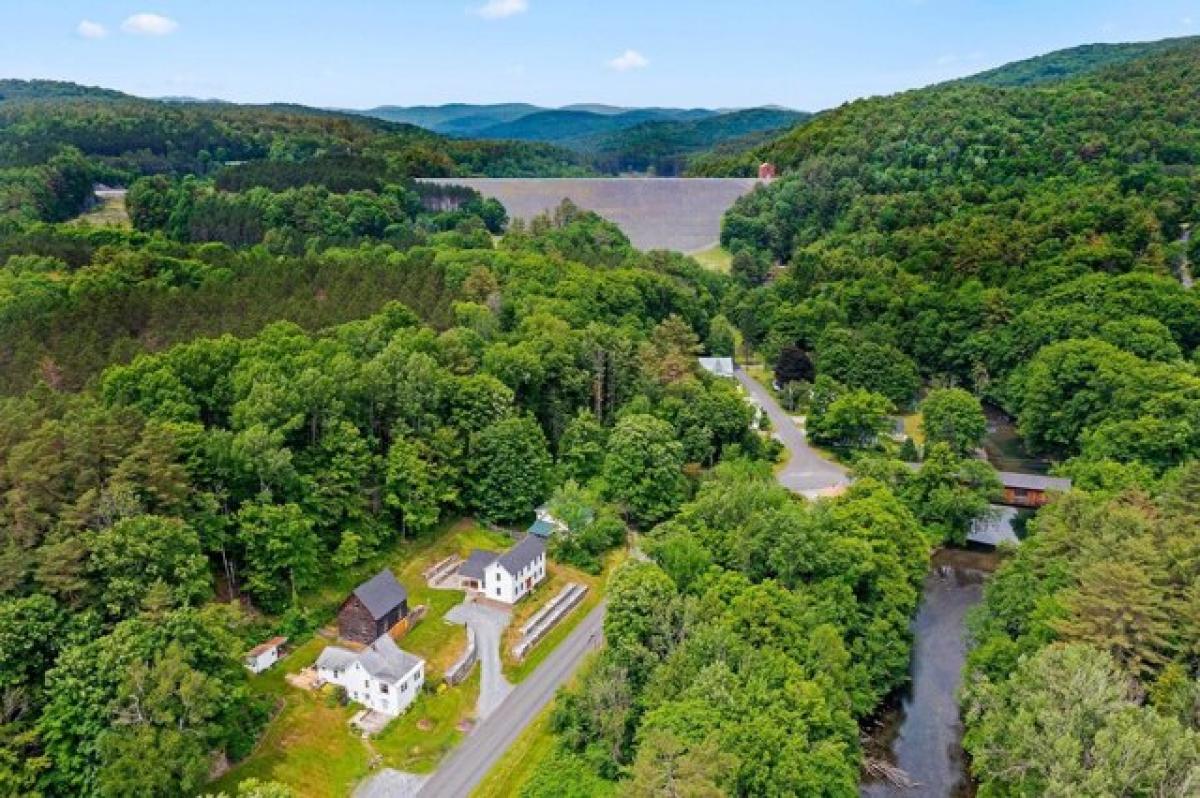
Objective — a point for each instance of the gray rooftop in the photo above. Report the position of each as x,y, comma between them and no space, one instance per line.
381,593
473,566
522,554
383,659
336,658
720,366
1011,479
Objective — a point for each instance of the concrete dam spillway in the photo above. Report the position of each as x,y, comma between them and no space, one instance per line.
681,214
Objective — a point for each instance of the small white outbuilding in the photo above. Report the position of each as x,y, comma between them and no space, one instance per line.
264,655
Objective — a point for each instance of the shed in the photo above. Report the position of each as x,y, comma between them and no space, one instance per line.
264,655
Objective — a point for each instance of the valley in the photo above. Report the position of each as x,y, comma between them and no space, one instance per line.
531,449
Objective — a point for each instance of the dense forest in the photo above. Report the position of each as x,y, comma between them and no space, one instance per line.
264,464
57,137
1021,238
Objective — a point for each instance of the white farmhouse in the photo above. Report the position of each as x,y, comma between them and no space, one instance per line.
381,677
506,577
264,655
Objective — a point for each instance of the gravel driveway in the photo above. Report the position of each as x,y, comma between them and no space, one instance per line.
489,624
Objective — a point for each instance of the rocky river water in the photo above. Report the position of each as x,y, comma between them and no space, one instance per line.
922,733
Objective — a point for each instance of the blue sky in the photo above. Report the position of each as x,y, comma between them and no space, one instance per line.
808,54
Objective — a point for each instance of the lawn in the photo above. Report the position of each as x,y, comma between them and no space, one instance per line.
522,759
557,578
716,259
310,747
109,212
912,427
405,746
307,745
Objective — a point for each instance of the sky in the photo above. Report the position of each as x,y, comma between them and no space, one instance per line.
804,54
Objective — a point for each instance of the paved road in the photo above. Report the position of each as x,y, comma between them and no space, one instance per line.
806,472
462,771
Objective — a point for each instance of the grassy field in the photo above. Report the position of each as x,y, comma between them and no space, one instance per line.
109,212
310,746
716,259
509,775
912,428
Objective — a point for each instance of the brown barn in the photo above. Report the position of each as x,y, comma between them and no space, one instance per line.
373,608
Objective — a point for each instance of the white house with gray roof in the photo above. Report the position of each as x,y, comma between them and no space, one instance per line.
381,677
506,577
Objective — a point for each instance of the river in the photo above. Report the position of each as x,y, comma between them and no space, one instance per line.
923,736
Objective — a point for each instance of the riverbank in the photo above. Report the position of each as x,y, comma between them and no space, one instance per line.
920,733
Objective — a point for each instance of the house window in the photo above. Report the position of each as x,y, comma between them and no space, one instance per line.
404,687
383,688
497,590
367,683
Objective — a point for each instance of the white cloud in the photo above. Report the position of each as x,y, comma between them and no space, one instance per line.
149,25
630,59
499,9
91,30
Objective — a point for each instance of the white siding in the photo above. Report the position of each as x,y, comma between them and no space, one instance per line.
500,585
390,698
262,661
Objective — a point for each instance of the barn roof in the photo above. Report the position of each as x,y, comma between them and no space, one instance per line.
720,366
381,593
994,528
522,554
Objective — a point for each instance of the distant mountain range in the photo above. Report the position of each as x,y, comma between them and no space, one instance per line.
529,122
615,139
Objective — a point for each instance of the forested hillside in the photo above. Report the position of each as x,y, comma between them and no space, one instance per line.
227,400
668,147
1022,242
58,138
1071,62
1027,243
